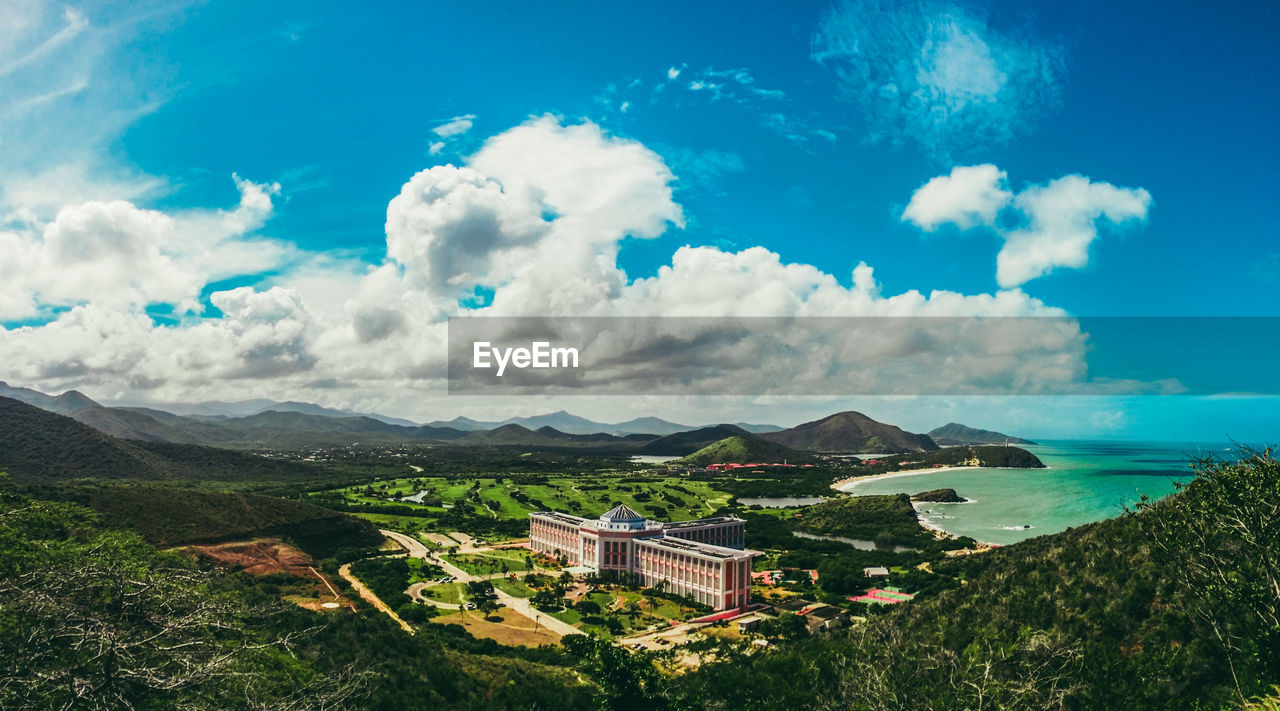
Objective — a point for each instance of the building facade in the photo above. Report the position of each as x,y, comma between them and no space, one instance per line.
704,560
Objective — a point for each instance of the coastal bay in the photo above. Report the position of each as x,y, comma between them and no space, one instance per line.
1085,481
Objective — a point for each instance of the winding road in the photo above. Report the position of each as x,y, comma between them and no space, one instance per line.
417,549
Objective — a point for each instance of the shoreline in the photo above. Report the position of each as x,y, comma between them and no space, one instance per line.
844,485
850,481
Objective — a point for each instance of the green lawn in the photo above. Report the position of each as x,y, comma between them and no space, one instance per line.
492,562
511,587
447,592
665,498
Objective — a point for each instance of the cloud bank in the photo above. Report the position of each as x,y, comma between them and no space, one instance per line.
534,219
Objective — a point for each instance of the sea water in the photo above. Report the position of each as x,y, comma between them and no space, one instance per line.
1086,481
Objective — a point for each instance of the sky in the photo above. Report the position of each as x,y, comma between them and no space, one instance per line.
217,201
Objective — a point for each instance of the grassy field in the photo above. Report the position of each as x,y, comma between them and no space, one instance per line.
511,587
665,498
447,592
506,627
491,562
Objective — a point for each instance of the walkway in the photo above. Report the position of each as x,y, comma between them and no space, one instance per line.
521,605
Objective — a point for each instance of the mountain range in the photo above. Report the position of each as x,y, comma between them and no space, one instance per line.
246,425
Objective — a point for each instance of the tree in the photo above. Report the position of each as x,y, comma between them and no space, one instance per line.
627,681
488,607
97,620
1223,533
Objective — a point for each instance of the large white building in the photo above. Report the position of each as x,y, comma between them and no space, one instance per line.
704,560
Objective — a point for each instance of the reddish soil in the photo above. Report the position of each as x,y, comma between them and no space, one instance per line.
261,556
264,556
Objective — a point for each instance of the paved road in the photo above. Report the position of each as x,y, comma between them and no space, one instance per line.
524,607
416,548
519,604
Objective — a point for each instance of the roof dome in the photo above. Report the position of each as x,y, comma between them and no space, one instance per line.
621,514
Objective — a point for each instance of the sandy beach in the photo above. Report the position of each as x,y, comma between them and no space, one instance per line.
845,485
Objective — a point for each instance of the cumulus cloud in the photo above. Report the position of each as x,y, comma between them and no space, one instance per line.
1057,223
937,73
111,253
535,216
116,254
1062,223
266,333
452,228
969,196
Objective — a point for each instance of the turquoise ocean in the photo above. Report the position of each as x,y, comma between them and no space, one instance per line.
1086,481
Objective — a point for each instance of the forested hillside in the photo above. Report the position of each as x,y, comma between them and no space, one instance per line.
98,619
1175,606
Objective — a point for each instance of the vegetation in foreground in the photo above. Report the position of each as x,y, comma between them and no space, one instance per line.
98,619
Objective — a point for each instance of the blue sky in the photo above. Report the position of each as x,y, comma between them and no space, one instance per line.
806,130
340,105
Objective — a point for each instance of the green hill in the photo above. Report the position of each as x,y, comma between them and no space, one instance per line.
851,432
138,485
41,447
954,433
685,443
171,516
865,518
1173,607
745,449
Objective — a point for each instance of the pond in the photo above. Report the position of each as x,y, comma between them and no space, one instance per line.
782,502
855,542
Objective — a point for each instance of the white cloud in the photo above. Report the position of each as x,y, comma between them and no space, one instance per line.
117,255
111,253
455,126
1063,219
537,215
265,333
1059,221
435,148
452,228
969,196
938,74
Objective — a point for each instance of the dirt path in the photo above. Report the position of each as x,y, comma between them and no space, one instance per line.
372,599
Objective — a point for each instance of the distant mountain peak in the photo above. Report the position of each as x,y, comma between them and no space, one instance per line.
849,432
954,433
